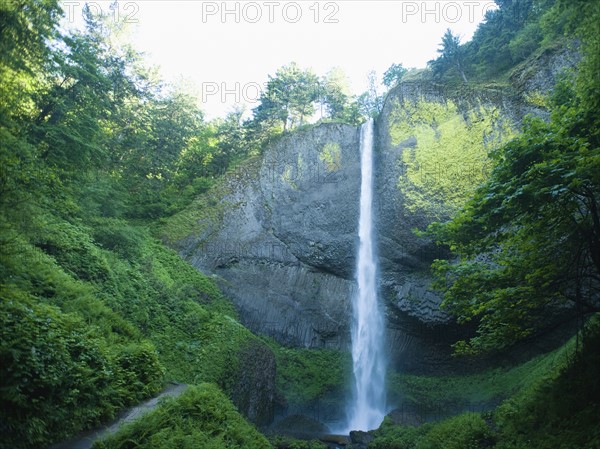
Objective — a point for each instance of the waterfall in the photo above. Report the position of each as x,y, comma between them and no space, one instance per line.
367,410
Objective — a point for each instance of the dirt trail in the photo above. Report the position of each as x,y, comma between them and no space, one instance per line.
86,440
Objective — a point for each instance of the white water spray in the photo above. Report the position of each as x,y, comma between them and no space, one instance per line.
368,408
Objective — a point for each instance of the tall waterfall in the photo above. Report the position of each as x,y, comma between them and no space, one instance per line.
368,407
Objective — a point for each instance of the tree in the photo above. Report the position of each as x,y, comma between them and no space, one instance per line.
529,240
233,142
393,75
289,97
336,98
509,34
26,27
451,56
370,103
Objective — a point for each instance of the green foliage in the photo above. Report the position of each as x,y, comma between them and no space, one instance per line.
553,404
466,431
308,375
508,36
334,94
446,154
53,363
452,56
370,103
204,212
280,442
537,219
393,75
440,396
201,417
288,100
560,412
95,311
391,436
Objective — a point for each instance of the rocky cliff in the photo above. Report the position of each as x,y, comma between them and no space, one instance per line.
283,244
280,233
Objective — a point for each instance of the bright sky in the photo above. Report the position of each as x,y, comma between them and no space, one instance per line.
227,49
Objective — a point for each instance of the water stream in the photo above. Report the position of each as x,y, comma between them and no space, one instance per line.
367,410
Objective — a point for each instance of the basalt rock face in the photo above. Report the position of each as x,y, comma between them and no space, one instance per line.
284,244
409,188
283,247
411,193
254,392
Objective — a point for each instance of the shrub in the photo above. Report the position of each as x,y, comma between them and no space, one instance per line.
466,431
202,417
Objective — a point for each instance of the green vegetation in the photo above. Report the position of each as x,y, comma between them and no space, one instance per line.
446,154
464,431
96,313
279,442
331,156
201,417
555,406
512,33
393,75
54,363
536,219
451,57
308,376
559,412
443,395
290,98
100,328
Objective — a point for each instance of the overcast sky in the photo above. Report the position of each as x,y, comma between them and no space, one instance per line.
227,49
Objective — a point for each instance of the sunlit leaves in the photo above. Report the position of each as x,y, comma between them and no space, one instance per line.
445,155
529,240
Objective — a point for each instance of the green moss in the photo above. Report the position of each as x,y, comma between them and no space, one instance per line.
331,156
293,172
288,176
205,213
308,375
537,99
445,152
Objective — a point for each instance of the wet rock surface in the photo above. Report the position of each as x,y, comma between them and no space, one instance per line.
361,439
254,392
301,427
